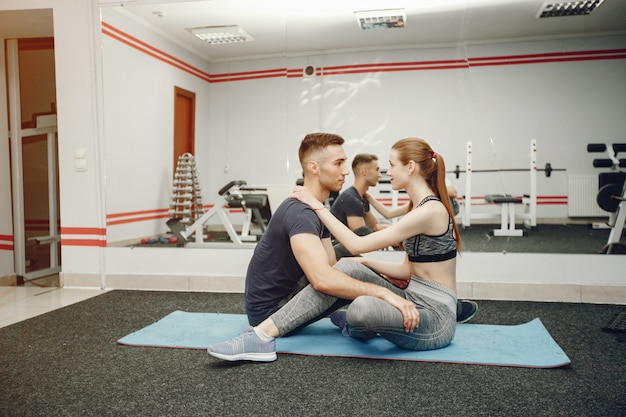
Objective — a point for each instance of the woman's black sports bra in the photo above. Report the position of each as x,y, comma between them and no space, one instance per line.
427,248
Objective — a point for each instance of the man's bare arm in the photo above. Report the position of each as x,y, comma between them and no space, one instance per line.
311,256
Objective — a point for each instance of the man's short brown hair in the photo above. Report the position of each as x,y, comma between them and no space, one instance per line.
314,142
362,158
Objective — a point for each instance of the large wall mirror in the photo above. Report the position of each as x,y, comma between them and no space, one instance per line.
492,85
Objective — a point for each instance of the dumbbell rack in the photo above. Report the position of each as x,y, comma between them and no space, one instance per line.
186,204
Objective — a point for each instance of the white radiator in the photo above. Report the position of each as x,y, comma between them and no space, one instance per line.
582,191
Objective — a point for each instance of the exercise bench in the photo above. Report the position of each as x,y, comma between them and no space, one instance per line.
507,224
255,206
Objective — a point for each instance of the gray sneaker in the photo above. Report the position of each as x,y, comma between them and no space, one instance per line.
245,347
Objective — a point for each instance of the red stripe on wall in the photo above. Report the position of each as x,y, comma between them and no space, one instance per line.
395,67
280,72
134,220
614,52
143,215
136,216
6,247
547,60
84,242
549,57
445,62
77,234
135,213
298,73
83,231
398,69
6,237
152,51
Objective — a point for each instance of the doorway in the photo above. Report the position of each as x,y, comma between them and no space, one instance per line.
34,156
184,123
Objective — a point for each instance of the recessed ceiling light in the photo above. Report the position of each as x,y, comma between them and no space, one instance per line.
568,8
381,19
217,35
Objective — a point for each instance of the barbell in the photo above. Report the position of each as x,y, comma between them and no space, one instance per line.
547,170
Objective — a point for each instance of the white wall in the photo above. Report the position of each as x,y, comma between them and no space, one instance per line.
250,129
77,122
139,126
499,108
254,128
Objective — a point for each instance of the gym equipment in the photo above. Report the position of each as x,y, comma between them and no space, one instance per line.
612,192
186,204
547,170
507,202
507,221
256,209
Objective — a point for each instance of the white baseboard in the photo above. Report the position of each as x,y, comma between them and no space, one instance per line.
543,292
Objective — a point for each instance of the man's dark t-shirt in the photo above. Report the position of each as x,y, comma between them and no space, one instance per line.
349,203
273,272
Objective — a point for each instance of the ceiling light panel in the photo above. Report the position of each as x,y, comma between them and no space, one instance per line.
218,35
568,8
381,19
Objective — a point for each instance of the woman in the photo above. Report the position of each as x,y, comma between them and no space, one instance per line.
430,239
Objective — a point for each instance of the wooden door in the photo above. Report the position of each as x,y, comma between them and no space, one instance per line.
184,122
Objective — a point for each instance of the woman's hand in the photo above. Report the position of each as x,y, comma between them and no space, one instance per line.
302,194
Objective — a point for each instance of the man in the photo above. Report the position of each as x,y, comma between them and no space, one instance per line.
352,208
294,250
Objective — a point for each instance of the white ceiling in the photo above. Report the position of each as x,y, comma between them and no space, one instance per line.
295,27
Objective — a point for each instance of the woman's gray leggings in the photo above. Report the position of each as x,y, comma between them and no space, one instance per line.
368,316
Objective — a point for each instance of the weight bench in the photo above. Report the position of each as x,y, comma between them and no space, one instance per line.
255,206
507,225
252,204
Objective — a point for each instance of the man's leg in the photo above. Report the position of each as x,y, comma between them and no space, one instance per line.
309,305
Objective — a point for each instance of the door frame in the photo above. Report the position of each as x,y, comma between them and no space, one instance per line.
17,134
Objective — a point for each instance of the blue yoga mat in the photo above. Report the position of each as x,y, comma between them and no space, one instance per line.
524,345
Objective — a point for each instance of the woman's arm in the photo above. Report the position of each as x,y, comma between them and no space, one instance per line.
394,270
389,236
387,213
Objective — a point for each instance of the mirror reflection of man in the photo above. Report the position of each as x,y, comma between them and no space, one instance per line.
351,207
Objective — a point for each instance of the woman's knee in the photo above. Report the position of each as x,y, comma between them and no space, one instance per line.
361,311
